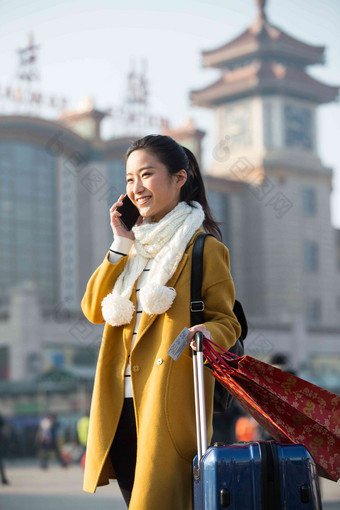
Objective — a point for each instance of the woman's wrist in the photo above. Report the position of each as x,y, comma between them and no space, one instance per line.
121,245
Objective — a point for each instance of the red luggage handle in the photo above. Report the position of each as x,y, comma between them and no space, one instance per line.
201,422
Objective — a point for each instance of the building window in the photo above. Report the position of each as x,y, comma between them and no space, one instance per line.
268,125
28,209
311,256
309,201
337,248
314,312
298,127
238,124
337,304
4,363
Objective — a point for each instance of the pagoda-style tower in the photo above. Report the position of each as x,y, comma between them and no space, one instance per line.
277,224
264,102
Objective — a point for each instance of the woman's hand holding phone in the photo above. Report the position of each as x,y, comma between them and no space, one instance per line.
118,228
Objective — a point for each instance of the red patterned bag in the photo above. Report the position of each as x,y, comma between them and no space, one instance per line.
290,409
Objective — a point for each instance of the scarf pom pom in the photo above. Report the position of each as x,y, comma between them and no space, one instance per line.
156,298
117,310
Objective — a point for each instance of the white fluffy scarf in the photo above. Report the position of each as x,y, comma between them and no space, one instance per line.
164,242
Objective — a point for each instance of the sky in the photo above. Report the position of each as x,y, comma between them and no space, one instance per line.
87,47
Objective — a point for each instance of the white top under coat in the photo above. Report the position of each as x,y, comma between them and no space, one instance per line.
121,247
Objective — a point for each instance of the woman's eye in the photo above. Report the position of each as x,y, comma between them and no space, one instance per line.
146,173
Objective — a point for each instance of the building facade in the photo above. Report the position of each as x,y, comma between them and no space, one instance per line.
283,246
56,190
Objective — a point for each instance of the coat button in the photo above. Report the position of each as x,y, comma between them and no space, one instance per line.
135,368
159,361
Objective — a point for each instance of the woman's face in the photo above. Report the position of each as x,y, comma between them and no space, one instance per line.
149,185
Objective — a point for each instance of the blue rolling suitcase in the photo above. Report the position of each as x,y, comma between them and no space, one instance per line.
261,475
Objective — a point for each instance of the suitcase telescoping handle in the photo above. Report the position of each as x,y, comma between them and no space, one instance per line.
201,423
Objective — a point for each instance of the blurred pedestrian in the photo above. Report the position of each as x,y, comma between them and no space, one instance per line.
282,362
224,423
47,439
83,430
4,479
246,429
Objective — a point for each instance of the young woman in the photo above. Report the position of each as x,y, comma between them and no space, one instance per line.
142,420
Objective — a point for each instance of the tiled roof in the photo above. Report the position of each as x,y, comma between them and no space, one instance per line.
264,77
263,38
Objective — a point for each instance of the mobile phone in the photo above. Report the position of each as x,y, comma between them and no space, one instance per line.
129,213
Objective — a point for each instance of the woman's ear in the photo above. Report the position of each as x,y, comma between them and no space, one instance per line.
180,178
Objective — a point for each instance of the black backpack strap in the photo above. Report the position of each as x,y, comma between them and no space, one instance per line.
197,305
222,398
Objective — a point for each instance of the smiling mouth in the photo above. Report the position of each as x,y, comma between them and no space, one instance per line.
142,200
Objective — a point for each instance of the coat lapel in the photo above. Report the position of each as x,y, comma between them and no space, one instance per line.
147,320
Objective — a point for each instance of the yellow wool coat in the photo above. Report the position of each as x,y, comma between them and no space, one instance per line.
162,388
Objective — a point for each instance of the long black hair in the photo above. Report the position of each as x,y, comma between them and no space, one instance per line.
176,157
